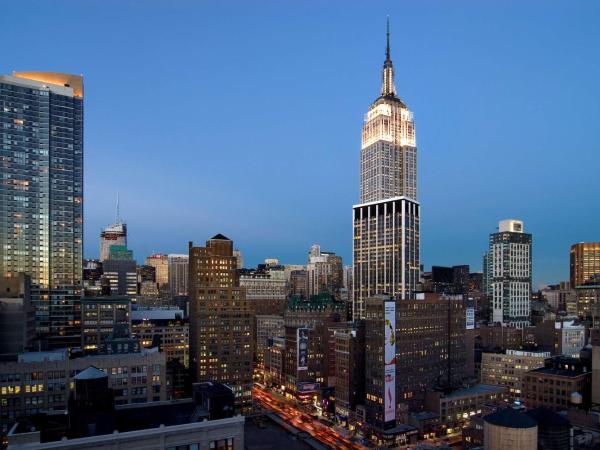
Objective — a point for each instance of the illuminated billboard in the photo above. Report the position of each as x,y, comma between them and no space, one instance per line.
389,402
302,348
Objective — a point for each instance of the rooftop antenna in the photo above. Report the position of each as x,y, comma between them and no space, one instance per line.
387,48
117,215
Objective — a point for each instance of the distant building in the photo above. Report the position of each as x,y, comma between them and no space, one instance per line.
349,372
112,235
560,337
456,408
178,274
266,289
120,252
92,276
298,283
500,337
449,280
161,268
585,262
274,355
324,272
560,297
507,274
588,299
122,275
17,320
267,327
239,258
220,319
103,319
164,328
561,384
309,350
508,369
146,274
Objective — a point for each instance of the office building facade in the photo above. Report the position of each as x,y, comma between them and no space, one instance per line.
220,319
585,262
508,369
161,266
585,278
178,274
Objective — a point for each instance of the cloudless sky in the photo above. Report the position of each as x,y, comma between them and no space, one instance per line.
244,118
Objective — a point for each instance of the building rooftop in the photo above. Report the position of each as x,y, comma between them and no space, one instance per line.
219,237
509,418
478,389
55,355
156,314
124,419
101,419
402,428
106,299
424,415
548,419
558,372
91,373
320,301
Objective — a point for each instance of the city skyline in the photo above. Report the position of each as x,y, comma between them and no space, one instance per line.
502,89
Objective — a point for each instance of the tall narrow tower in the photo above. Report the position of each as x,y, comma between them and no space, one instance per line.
220,319
507,274
386,222
41,195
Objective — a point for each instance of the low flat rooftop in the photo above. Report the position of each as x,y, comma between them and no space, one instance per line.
271,437
424,415
559,372
133,417
478,389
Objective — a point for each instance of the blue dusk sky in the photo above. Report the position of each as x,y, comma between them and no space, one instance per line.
244,118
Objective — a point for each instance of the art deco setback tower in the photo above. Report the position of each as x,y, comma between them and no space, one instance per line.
41,194
386,223
220,319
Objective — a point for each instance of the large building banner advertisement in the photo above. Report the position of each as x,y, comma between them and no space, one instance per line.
302,350
389,402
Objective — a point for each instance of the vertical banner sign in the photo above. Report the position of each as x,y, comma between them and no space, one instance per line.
302,350
389,401
470,315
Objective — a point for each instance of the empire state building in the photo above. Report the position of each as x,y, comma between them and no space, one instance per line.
386,222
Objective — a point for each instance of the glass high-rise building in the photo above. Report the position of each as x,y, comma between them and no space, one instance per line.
41,194
386,222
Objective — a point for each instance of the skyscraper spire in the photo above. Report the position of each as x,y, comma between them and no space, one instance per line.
387,87
117,212
387,48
